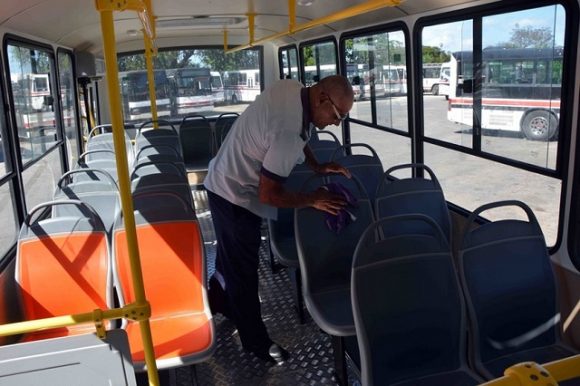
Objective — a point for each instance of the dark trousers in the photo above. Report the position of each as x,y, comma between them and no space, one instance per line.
238,242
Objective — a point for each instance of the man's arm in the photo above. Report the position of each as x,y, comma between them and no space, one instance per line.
272,192
329,167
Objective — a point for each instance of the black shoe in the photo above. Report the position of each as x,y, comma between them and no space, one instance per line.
218,302
274,354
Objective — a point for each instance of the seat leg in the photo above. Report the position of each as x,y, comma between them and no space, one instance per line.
339,360
296,281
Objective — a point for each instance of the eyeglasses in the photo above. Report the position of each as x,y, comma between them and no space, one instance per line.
340,117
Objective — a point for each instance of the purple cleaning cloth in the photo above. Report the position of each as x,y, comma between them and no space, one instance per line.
336,223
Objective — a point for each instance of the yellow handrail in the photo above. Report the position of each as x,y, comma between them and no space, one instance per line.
529,373
371,5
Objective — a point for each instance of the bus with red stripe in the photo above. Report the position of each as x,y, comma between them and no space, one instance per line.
519,92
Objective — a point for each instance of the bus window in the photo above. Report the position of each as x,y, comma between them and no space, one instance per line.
319,60
192,80
377,64
68,105
508,108
288,58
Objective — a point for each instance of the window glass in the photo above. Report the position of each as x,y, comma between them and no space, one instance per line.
8,221
319,61
190,81
376,67
522,83
392,149
67,97
461,174
447,50
34,93
40,179
289,68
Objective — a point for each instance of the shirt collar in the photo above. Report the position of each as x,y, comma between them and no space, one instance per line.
305,98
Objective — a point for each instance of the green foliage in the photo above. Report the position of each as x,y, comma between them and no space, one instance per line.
529,37
214,58
435,55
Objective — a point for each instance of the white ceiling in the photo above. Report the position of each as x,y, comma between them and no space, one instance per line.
76,23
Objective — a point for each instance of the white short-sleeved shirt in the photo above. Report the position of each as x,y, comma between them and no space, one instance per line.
264,139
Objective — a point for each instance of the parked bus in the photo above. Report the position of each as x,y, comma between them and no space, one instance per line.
192,91
520,90
135,92
217,88
459,259
431,77
241,85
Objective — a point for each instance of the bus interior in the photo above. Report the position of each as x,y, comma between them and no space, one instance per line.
461,265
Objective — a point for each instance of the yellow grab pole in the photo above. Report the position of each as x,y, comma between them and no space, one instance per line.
149,52
225,39
108,31
368,6
251,26
291,15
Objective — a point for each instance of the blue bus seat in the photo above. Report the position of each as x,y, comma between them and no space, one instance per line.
160,167
104,141
325,263
164,135
158,150
408,308
324,149
223,124
367,168
510,291
63,267
197,140
164,182
174,273
413,195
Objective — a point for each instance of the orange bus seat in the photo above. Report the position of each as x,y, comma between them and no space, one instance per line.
173,266
62,268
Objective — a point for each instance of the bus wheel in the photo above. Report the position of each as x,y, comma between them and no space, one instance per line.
435,89
539,125
234,99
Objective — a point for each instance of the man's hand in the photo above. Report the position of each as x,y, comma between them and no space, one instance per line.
328,202
333,167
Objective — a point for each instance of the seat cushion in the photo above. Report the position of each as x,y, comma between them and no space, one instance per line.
332,311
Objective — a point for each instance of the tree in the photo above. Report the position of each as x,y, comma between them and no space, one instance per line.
529,37
435,55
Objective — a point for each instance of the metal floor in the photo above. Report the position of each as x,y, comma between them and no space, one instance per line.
311,360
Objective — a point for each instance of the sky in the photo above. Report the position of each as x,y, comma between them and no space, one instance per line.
496,28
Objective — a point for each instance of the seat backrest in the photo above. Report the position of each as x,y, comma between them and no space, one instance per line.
197,140
163,182
104,141
282,228
158,133
325,256
324,149
102,196
367,168
173,266
145,168
509,284
413,195
62,267
407,303
96,170
223,124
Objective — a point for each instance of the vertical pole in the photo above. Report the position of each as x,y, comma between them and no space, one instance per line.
291,15
251,19
108,32
149,51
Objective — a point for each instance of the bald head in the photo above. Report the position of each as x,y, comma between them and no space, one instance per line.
330,100
337,87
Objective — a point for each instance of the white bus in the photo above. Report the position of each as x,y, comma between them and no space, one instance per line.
431,77
135,92
191,89
217,87
241,85
520,90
